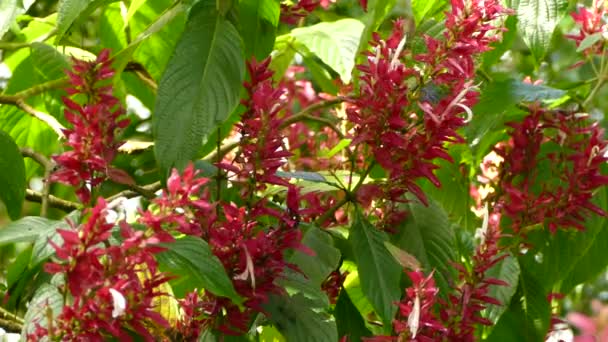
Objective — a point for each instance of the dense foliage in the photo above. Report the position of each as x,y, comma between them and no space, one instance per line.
312,170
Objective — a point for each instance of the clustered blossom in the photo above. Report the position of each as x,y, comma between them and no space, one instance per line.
463,310
407,128
251,252
417,320
92,138
298,9
568,147
592,21
111,288
183,207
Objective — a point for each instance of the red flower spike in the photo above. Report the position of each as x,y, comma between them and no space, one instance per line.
112,286
405,129
94,124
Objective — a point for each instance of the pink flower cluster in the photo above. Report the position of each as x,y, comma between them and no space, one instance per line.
406,128
568,147
290,14
592,21
111,288
94,123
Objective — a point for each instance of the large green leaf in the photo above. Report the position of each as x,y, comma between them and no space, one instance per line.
12,176
379,272
199,88
67,12
298,322
537,20
422,9
508,271
349,320
27,229
536,307
568,258
427,234
47,298
258,25
335,43
326,258
191,258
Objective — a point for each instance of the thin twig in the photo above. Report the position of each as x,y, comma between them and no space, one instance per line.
21,45
55,202
147,189
11,316
32,91
142,73
48,166
304,114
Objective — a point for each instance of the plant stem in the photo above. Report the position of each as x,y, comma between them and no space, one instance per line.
55,202
48,166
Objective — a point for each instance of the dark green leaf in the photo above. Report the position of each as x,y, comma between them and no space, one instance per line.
349,320
326,258
26,229
191,258
259,20
12,176
379,272
537,311
508,271
537,20
428,234
298,322
18,267
200,87
48,62
589,41
67,12
303,175
335,43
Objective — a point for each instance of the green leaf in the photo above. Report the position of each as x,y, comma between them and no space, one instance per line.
42,248
303,175
508,271
282,56
298,322
47,298
537,311
379,272
18,267
67,12
349,320
191,259
428,234
258,20
589,41
318,267
335,43
48,61
135,5
12,176
567,258
421,8
536,21
9,10
199,88
26,229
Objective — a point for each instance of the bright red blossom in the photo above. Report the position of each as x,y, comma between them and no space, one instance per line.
98,275
92,137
